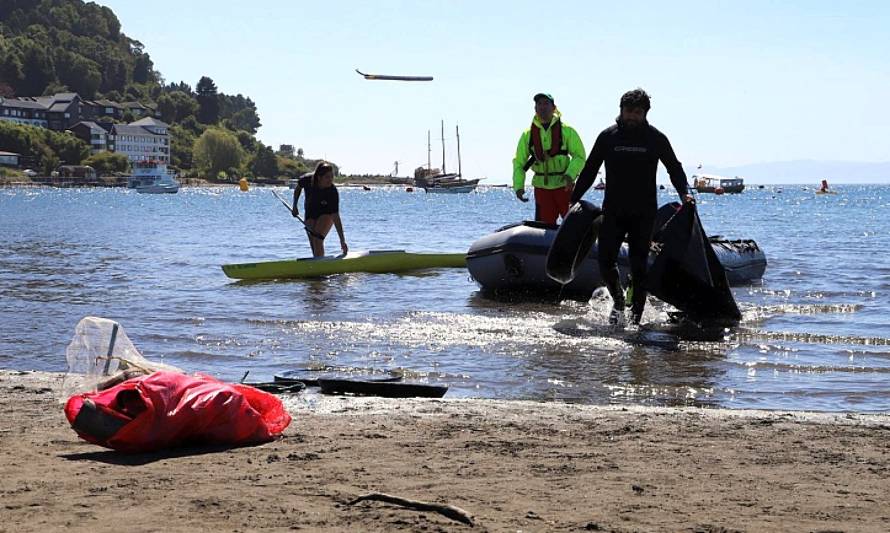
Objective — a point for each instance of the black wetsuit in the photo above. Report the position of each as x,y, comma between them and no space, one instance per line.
319,201
631,156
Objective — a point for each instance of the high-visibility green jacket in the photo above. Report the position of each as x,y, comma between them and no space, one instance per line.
553,172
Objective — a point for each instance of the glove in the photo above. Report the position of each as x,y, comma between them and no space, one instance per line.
520,194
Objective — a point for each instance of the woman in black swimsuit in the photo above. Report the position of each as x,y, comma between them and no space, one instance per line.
322,206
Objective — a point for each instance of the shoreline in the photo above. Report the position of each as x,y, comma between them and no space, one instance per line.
512,465
113,182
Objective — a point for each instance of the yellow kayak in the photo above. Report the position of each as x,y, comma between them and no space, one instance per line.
380,261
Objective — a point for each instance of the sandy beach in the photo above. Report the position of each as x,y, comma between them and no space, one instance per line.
512,466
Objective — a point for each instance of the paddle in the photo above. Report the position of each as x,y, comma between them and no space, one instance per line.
309,230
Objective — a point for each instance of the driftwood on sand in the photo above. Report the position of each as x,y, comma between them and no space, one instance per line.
450,511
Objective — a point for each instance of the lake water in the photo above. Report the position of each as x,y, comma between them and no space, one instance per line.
815,333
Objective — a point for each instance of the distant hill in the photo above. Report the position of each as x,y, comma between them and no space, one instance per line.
60,46
805,171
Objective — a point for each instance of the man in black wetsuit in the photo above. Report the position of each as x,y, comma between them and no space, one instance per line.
631,150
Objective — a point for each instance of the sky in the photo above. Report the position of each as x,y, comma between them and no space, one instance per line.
732,82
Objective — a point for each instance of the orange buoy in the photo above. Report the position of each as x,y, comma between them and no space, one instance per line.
719,190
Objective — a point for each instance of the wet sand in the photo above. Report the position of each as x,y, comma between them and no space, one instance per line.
511,465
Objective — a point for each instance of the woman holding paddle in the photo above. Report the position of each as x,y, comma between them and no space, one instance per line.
322,206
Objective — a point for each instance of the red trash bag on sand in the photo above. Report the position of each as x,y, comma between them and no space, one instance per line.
167,409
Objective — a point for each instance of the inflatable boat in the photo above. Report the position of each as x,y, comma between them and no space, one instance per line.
742,259
513,260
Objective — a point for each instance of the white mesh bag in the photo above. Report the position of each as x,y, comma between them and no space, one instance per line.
100,351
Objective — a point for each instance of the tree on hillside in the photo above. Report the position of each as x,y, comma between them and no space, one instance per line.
143,69
175,106
265,164
78,73
182,144
291,168
37,68
246,120
45,147
208,101
181,86
108,162
247,141
54,88
217,150
10,63
114,74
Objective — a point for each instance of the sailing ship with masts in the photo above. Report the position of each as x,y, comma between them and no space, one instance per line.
433,180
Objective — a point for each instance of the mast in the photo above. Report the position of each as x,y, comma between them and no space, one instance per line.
443,148
429,149
457,134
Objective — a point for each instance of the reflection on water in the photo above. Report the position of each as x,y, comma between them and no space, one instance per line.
814,333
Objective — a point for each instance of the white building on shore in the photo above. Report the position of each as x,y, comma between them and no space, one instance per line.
146,139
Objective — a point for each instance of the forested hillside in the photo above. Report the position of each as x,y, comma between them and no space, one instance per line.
54,46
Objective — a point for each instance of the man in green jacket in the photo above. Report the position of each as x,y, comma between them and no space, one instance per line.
553,150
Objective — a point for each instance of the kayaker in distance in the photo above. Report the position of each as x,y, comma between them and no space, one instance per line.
322,206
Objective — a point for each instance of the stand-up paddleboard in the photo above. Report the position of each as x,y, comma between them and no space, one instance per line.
379,262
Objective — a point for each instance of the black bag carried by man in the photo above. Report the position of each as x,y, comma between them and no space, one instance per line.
579,230
686,272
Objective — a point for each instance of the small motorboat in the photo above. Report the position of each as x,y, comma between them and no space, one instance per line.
717,184
152,177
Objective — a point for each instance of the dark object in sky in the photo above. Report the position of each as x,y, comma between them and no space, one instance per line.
394,78
686,272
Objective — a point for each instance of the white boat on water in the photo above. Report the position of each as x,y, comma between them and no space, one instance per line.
152,177
717,184
450,189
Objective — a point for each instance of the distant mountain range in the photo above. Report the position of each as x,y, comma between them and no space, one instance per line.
803,171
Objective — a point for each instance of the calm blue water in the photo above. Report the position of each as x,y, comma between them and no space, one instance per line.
816,332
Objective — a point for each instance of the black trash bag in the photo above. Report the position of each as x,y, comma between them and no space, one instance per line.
686,272
573,241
